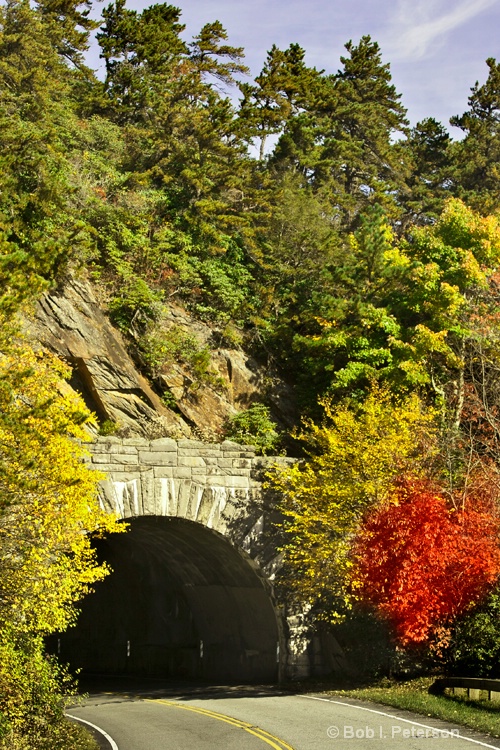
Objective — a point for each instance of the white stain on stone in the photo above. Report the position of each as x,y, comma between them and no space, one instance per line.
197,490
220,499
126,492
168,497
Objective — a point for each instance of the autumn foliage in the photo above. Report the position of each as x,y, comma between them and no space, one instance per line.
359,450
422,562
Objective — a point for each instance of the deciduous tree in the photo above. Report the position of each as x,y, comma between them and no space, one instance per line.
358,452
422,562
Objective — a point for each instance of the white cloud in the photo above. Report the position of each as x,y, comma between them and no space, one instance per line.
419,25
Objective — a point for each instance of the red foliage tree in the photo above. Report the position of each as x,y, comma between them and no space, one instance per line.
422,562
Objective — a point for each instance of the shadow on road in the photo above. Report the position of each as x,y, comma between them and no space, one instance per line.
106,688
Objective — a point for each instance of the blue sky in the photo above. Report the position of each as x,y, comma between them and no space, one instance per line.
437,48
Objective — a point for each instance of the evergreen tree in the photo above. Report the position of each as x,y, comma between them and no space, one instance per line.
344,144
285,87
40,231
427,153
477,157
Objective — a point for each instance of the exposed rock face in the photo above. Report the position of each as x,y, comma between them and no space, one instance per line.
71,323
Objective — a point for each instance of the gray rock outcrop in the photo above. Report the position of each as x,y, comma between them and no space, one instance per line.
71,323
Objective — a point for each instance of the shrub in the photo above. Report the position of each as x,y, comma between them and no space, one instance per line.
34,691
162,347
136,300
474,648
254,426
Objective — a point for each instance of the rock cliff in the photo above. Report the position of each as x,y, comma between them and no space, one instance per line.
71,322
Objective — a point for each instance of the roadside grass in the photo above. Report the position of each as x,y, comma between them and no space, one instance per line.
412,695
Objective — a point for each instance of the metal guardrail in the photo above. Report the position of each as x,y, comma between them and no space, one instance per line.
472,686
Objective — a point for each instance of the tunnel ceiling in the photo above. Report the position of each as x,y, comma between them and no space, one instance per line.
194,554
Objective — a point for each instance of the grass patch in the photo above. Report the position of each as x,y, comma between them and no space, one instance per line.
412,695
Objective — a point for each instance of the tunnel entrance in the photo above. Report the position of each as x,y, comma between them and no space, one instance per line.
181,602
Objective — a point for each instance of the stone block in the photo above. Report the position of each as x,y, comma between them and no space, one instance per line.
230,445
200,479
163,444
163,472
230,482
167,494
474,694
185,443
195,497
107,440
110,468
211,461
181,472
203,452
242,463
123,476
216,471
126,458
128,497
100,458
190,461
238,454
225,463
107,498
494,696
155,458
123,450
217,480
137,441
148,498
183,498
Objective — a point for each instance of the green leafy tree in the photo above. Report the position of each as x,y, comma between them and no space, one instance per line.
142,52
68,26
474,647
344,144
39,230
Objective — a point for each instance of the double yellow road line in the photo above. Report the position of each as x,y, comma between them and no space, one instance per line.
261,734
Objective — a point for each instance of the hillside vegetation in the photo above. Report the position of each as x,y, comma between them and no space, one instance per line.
302,218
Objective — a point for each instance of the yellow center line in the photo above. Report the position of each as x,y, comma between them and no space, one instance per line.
261,734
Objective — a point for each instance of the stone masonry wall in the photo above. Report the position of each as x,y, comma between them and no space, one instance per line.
218,485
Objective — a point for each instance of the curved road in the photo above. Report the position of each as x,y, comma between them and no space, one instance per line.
249,719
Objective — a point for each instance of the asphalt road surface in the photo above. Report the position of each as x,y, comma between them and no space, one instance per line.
259,719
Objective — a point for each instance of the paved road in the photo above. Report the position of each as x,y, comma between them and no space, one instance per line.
252,719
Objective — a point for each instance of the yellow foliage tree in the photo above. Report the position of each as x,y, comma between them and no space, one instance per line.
48,496
358,451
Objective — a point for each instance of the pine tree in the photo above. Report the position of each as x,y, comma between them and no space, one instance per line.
285,87
477,157
427,153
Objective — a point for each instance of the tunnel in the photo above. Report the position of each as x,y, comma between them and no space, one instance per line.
181,602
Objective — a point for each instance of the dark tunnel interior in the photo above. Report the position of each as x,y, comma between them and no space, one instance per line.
181,602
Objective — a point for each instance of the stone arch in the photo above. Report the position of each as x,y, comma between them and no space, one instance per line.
216,485
182,602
